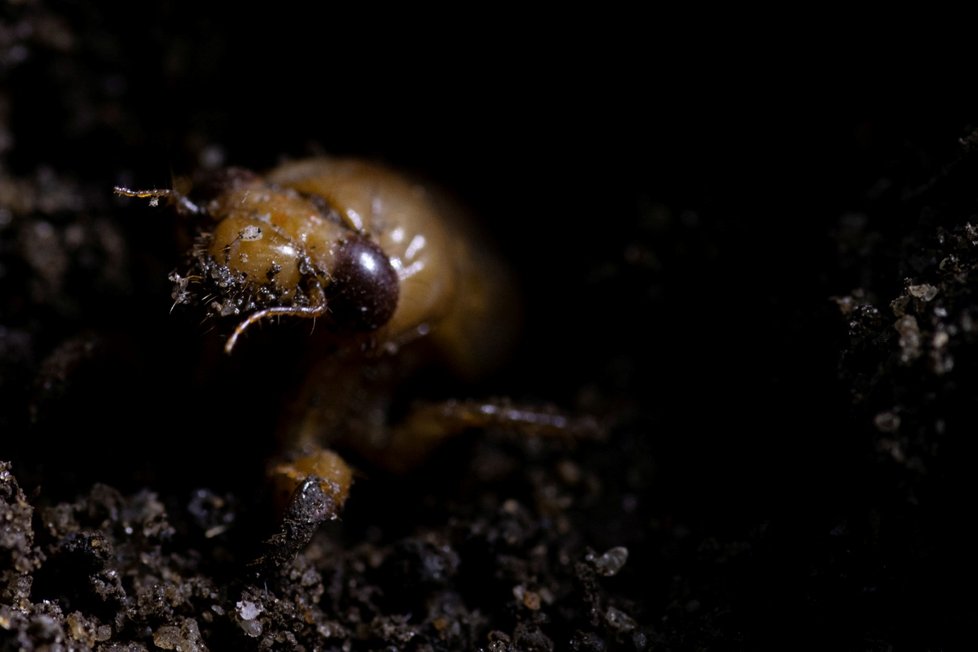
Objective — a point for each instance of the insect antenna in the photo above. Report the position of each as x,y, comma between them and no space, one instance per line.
154,195
318,309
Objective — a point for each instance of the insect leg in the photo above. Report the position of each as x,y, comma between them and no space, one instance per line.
429,424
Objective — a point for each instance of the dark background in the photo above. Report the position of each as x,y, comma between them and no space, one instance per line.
672,207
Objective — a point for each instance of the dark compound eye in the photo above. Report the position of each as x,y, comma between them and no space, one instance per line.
363,289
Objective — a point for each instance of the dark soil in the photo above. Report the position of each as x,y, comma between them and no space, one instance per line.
772,308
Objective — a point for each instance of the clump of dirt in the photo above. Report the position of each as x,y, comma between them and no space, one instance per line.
113,571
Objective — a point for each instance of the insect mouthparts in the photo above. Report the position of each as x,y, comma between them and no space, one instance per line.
308,312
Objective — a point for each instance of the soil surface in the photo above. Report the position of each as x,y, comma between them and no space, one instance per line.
775,318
